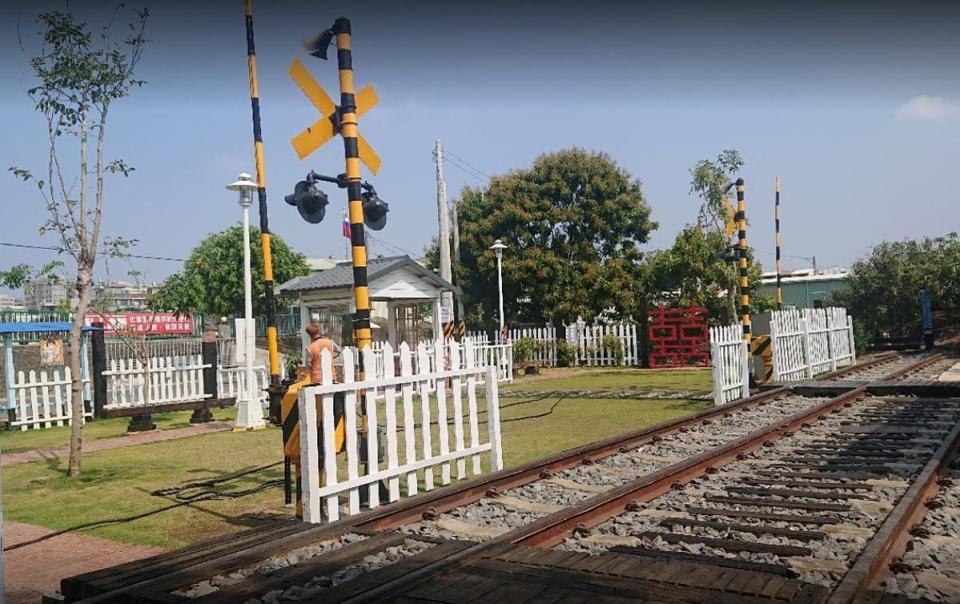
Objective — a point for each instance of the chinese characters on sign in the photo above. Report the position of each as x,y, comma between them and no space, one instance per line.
143,323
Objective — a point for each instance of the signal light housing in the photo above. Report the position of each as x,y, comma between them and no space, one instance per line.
374,209
310,201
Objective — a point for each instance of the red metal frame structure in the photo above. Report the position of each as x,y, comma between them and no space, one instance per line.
678,337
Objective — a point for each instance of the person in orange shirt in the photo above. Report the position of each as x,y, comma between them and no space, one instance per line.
318,343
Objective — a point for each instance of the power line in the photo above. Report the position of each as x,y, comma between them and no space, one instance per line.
386,244
464,170
468,164
61,250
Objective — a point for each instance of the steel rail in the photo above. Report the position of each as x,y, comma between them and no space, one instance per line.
890,540
552,529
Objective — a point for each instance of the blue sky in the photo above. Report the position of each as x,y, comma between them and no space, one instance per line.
855,107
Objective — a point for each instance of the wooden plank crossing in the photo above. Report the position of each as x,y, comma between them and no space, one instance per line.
519,574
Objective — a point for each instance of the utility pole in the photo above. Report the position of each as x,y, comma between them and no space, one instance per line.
814,265
446,299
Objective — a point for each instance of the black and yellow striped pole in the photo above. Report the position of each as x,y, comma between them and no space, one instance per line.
776,214
743,261
351,151
268,297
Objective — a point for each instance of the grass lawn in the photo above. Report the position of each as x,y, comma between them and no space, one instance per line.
119,482
611,379
14,441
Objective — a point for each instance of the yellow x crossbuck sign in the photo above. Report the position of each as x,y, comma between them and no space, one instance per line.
324,129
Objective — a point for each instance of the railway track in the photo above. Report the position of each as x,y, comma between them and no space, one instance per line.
779,483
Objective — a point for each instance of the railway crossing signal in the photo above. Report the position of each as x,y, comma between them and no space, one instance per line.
311,202
328,126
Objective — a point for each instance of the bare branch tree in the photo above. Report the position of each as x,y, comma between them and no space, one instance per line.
79,78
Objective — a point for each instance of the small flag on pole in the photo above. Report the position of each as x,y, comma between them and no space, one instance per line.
346,227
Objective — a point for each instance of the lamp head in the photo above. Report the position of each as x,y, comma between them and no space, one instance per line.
245,185
498,247
317,45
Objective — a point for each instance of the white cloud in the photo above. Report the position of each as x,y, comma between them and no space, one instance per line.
928,108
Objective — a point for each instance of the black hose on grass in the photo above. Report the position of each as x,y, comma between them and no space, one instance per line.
176,492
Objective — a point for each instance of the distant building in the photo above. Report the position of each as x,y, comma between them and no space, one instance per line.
8,302
42,294
805,289
119,296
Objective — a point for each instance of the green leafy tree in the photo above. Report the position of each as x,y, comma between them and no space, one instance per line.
211,280
79,76
884,286
573,222
691,272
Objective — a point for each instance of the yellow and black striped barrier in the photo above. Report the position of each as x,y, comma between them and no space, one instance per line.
760,347
290,426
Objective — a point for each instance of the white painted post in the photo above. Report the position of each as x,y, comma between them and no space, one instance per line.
442,426
717,362
390,408
310,459
9,371
805,330
472,409
350,415
424,362
457,387
370,401
493,421
410,444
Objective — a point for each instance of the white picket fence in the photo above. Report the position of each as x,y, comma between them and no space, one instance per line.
729,356
171,379
810,342
232,382
498,355
323,481
43,401
592,342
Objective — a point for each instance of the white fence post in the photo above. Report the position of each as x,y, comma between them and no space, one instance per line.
493,421
731,369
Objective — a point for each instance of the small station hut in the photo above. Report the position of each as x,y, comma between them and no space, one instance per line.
404,296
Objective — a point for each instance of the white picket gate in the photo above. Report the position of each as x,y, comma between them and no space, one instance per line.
232,382
171,379
810,342
43,401
729,356
396,413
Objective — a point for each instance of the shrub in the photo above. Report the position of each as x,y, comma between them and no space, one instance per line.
523,350
566,353
612,343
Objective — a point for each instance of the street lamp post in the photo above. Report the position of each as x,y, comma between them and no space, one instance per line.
249,413
498,247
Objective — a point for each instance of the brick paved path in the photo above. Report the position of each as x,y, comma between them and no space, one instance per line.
137,438
37,568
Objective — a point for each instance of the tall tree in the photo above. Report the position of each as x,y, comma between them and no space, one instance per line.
710,180
573,222
80,75
211,280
